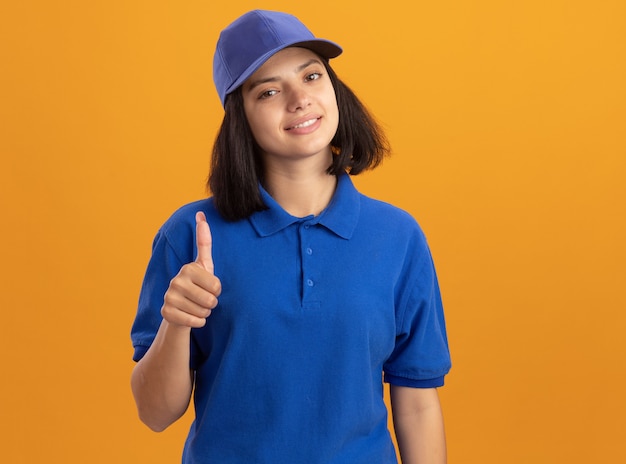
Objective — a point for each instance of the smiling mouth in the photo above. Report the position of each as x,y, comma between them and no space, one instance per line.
304,124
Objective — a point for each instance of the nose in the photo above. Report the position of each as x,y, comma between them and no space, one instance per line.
299,99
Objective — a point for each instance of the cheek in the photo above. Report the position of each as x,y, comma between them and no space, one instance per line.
254,128
331,105
258,125
262,132
334,114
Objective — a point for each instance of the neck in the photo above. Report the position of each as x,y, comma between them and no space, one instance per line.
301,192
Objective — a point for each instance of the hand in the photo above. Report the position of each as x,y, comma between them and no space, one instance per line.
193,293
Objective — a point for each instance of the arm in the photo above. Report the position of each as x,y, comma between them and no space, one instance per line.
418,422
162,381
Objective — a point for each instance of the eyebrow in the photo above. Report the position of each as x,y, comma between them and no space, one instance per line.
265,80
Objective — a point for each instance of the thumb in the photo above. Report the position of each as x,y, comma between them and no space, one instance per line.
204,242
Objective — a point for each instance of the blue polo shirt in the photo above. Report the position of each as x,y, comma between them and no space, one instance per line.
313,312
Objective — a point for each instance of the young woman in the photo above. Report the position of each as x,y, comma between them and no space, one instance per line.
281,301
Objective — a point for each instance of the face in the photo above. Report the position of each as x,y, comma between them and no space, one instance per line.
291,107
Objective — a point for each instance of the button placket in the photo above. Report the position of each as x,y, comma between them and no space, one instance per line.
308,279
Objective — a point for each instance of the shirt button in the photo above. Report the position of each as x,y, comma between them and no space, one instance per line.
309,283
306,226
309,251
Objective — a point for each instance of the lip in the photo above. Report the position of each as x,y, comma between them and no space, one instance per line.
304,124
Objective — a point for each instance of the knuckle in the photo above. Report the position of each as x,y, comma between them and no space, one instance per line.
198,323
217,287
211,302
176,283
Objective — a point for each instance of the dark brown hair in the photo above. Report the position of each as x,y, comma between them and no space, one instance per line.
237,168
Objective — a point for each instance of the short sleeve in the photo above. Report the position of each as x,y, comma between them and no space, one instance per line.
421,356
163,266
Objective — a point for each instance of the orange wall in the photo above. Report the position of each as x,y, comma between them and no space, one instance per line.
507,121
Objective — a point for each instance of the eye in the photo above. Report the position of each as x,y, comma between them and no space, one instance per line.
268,94
313,76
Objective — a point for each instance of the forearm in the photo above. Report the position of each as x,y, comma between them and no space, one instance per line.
162,381
419,427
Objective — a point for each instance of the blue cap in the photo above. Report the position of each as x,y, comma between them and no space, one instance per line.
252,39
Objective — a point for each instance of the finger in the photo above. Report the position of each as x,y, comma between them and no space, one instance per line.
193,287
178,306
204,242
184,319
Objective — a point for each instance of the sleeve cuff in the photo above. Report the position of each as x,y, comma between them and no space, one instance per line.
414,383
140,352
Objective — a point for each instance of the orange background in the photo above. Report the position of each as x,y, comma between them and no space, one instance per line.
507,121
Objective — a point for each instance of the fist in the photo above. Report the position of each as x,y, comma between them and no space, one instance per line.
193,293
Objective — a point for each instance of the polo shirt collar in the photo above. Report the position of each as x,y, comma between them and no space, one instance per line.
340,216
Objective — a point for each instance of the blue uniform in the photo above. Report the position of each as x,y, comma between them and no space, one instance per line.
313,311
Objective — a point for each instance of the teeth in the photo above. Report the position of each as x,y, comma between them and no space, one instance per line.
304,124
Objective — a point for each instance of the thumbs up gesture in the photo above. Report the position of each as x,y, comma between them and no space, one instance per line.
193,293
